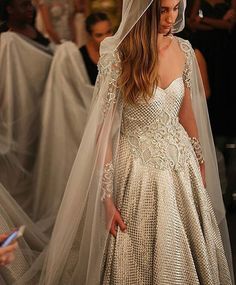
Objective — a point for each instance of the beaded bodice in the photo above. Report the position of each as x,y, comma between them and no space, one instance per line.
153,131
154,134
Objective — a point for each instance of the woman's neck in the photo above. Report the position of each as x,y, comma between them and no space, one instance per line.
164,42
24,29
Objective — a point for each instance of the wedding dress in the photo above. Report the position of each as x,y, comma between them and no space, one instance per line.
172,234
173,223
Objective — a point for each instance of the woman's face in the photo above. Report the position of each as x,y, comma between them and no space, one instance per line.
169,14
100,31
21,11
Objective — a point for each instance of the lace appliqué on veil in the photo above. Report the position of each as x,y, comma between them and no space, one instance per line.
187,49
107,181
109,69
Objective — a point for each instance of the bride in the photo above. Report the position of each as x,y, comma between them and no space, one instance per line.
143,203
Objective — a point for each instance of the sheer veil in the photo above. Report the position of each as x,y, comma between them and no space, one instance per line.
75,252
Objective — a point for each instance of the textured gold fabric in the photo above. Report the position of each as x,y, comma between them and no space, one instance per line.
172,235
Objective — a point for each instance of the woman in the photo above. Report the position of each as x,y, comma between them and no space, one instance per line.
139,171
111,7
98,26
142,157
18,17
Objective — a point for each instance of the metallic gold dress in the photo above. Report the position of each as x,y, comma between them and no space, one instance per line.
172,235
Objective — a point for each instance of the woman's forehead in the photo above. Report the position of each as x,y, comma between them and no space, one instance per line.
169,3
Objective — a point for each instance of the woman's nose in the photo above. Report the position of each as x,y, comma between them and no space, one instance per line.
170,18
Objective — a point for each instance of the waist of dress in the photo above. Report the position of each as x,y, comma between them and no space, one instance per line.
144,128
162,148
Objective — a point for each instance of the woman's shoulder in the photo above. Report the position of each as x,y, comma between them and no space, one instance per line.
184,44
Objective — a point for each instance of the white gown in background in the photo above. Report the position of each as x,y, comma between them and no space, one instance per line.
64,111
21,89
61,13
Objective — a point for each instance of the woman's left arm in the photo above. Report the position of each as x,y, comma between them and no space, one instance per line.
187,120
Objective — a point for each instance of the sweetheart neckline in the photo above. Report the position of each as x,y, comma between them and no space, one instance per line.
169,85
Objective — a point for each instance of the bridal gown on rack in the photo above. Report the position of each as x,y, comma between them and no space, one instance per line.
172,234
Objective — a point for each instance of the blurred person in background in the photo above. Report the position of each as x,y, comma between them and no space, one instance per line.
18,16
98,27
112,8
58,19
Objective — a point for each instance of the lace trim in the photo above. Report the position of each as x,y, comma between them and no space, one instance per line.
109,67
187,49
107,181
197,149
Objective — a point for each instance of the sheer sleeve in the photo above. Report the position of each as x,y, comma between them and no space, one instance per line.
109,68
188,64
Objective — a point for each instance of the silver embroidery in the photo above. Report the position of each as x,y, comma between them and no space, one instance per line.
109,67
107,181
197,149
187,49
153,130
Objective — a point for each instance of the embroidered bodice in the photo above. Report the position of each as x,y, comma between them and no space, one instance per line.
154,134
153,130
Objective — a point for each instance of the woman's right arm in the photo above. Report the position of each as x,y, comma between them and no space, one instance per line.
43,8
107,197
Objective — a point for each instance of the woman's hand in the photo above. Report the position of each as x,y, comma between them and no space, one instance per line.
117,221
203,173
7,253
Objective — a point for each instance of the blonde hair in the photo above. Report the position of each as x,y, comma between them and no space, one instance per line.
139,57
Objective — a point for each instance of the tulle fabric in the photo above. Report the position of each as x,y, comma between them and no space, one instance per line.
21,88
11,217
76,249
212,174
65,106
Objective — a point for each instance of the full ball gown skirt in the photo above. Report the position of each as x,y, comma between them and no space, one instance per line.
172,235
